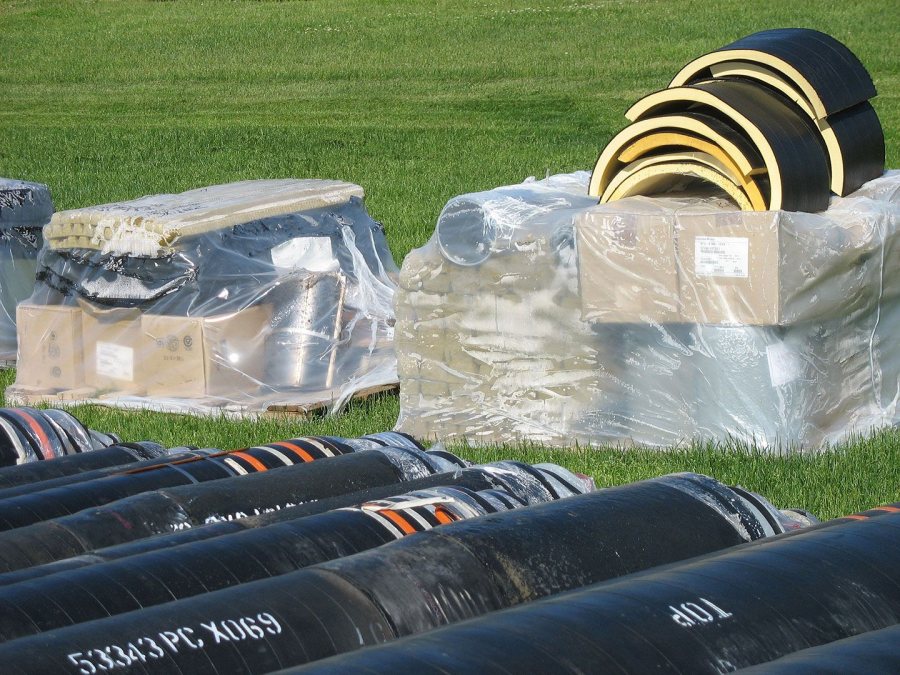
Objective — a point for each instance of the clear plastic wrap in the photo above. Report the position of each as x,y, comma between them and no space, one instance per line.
24,209
534,313
233,298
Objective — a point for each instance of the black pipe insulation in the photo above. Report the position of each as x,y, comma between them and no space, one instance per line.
877,651
717,613
168,510
506,475
112,456
201,567
43,505
29,434
410,585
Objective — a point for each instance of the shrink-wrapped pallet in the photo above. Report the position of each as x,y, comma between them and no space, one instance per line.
535,314
246,297
24,209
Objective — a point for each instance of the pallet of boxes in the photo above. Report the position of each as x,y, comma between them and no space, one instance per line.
243,297
739,279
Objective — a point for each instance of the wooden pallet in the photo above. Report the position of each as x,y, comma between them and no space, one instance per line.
321,407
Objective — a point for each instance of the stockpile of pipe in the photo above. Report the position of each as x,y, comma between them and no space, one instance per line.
373,554
776,120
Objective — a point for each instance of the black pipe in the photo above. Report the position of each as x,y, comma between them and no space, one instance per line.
507,475
717,613
29,434
171,455
414,584
201,567
43,505
112,456
877,651
160,511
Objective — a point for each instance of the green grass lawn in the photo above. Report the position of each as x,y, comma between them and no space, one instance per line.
416,101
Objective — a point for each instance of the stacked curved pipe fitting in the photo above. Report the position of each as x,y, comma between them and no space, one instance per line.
776,120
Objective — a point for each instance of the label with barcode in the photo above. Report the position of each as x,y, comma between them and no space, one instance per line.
722,257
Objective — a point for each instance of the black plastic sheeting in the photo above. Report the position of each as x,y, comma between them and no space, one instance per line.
504,475
716,614
113,456
192,569
877,651
411,585
150,513
29,434
55,502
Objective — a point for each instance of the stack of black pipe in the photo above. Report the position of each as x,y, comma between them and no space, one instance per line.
797,594
404,586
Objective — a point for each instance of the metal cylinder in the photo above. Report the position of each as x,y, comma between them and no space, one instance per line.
718,613
191,569
414,584
301,346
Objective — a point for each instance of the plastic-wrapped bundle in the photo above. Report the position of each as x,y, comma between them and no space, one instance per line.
44,504
716,614
234,297
27,435
174,508
416,583
24,209
651,321
206,566
544,479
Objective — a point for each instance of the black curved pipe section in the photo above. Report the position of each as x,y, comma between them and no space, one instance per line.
836,74
44,505
718,613
411,585
112,456
877,651
192,569
506,475
29,434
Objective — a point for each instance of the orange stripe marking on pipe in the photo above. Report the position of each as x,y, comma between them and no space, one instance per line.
398,520
42,437
443,516
857,516
255,463
889,509
297,450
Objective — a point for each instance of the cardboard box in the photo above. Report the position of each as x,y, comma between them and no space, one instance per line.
111,340
774,268
626,264
189,357
50,347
